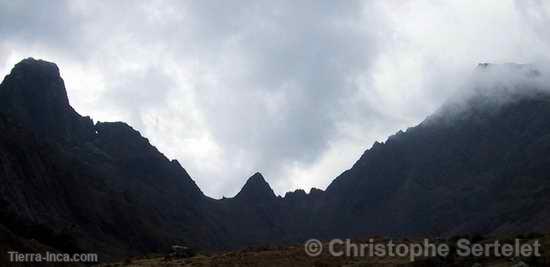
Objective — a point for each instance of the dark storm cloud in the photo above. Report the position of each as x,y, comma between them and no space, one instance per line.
35,23
297,66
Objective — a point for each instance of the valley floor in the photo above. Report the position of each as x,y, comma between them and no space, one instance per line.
296,256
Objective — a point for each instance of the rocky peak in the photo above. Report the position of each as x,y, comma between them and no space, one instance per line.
315,191
256,188
34,95
39,79
298,194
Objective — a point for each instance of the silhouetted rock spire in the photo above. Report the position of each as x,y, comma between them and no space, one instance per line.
256,188
34,95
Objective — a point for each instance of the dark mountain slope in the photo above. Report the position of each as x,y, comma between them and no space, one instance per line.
479,164
77,186
256,216
34,95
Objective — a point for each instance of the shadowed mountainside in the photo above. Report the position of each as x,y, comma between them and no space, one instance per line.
474,166
74,185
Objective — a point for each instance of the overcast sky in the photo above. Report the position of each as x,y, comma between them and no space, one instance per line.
294,89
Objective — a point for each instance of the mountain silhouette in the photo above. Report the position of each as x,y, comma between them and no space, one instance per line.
256,189
478,165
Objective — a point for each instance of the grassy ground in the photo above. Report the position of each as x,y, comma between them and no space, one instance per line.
295,256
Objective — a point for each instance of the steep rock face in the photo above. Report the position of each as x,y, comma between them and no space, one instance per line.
73,185
143,162
480,164
34,94
31,175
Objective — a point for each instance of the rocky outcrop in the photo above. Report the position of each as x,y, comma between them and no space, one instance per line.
34,95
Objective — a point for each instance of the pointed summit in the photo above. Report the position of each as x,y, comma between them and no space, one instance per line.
34,95
256,188
39,78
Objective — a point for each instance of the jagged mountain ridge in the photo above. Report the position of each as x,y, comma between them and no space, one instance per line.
75,185
479,164
71,184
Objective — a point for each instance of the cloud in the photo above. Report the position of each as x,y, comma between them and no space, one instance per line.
283,80
32,22
537,15
296,90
